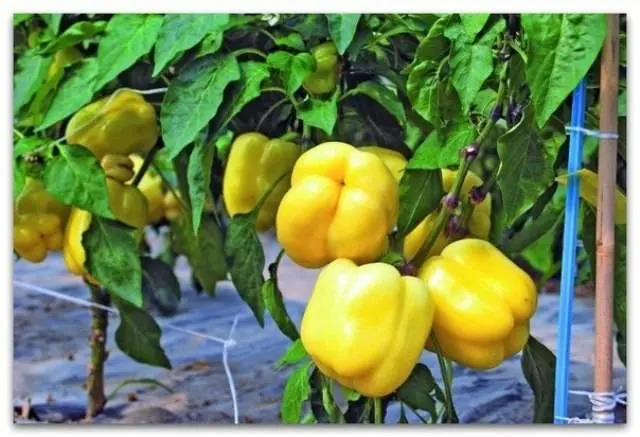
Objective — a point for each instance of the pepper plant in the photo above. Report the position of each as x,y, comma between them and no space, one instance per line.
408,156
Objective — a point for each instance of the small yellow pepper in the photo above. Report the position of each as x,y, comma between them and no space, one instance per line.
120,124
172,208
483,303
366,326
39,221
255,163
342,203
151,187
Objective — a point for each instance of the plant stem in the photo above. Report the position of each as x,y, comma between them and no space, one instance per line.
96,398
249,51
445,213
148,160
446,380
18,133
269,111
377,411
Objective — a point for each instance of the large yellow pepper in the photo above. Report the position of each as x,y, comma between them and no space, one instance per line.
483,303
127,203
39,221
255,163
366,326
151,187
479,223
343,203
120,124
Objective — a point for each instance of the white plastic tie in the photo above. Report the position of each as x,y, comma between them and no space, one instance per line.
592,133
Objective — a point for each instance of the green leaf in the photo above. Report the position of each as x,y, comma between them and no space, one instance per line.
619,273
472,63
538,367
142,381
78,32
420,194
562,48
193,98
159,282
416,390
112,258
248,88
245,258
211,44
310,26
53,21
296,391
20,18
423,90
199,177
180,32
320,113
31,73
293,68
473,23
138,335
384,96
128,38
293,355
292,40
442,148
342,28
75,177
204,252
75,92
274,303
434,47
527,165
394,258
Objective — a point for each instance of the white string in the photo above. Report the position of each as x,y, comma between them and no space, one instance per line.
226,343
592,133
600,402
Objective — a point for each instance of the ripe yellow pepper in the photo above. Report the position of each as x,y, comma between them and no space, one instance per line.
483,303
342,203
255,163
324,78
120,124
127,203
171,204
366,326
151,187
39,221
479,223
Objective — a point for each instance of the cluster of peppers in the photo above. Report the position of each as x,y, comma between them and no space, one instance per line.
366,324
119,130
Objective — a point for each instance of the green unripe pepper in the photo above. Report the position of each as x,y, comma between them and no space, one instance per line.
324,78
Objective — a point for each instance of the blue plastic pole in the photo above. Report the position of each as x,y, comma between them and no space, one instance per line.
568,273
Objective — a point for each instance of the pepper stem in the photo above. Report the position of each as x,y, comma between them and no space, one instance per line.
377,411
446,379
148,160
445,213
96,398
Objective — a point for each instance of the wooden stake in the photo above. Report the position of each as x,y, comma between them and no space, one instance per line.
605,223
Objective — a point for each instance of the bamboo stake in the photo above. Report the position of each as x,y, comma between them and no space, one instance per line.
605,228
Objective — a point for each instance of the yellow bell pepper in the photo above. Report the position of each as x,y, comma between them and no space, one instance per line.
342,203
151,187
479,223
172,209
366,326
120,124
39,221
255,163
483,303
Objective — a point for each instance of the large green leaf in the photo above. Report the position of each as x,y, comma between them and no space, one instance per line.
31,73
274,303
199,177
434,46
293,68
193,98
75,177
112,258
441,148
473,23
294,354
75,92
138,335
296,391
420,194
160,285
245,258
424,89
561,49
471,61
181,32
384,96
128,38
320,113
53,21
527,165
418,391
539,366
342,28
78,32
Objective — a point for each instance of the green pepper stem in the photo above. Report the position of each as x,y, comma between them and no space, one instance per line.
148,160
446,378
96,399
377,411
445,213
249,51
269,111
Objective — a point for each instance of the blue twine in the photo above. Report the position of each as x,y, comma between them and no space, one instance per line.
568,273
